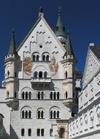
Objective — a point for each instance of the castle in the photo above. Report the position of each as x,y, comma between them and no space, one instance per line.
42,86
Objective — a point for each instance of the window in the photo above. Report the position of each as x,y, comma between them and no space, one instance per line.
29,132
22,95
22,114
26,95
29,114
38,132
54,114
37,58
51,132
35,74
42,132
33,57
15,74
43,57
42,95
40,114
47,58
15,95
54,95
51,95
29,95
7,93
8,73
45,74
98,115
66,75
57,95
38,95
40,74
22,132
66,95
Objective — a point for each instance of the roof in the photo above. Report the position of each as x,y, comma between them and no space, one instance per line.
69,49
60,29
95,50
12,47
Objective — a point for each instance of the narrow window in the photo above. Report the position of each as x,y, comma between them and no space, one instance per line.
47,58
22,132
43,57
29,132
38,95
35,74
62,133
22,114
26,95
40,74
29,95
15,95
15,74
8,73
22,95
38,114
58,114
26,114
54,114
42,95
51,95
7,93
29,114
38,132
37,58
58,95
51,132
45,74
42,132
54,95
42,114
33,57
66,95
66,75
51,114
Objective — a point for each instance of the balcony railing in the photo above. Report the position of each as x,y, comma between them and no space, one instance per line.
40,80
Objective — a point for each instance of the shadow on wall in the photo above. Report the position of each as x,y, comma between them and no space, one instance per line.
13,134
3,133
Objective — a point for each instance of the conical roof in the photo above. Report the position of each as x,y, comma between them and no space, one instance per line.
60,29
69,49
12,47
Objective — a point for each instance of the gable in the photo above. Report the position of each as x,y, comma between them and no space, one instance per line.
91,67
38,42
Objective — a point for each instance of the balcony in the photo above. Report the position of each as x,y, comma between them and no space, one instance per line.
40,80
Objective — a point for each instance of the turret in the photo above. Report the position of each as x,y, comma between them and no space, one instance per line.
11,64
69,63
60,30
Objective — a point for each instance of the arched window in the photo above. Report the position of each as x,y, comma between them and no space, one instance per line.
29,114
37,58
98,115
66,95
43,57
26,95
42,114
38,114
15,95
38,95
51,132
47,58
54,114
42,132
54,95
66,75
35,74
91,118
38,132
45,74
50,114
29,95
8,73
22,95
26,114
42,95
22,114
33,57
29,132
58,95
40,74
7,93
22,132
62,133
58,114
51,95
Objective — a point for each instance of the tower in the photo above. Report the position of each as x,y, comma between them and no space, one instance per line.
69,70
11,64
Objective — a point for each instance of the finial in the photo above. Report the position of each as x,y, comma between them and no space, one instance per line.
41,9
59,9
13,30
68,31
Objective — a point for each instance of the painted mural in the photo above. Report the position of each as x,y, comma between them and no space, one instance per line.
53,65
27,65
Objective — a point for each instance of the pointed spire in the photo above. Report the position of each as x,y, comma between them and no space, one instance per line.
60,29
12,47
41,11
69,49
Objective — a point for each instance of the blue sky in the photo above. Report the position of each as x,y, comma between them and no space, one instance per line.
81,17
